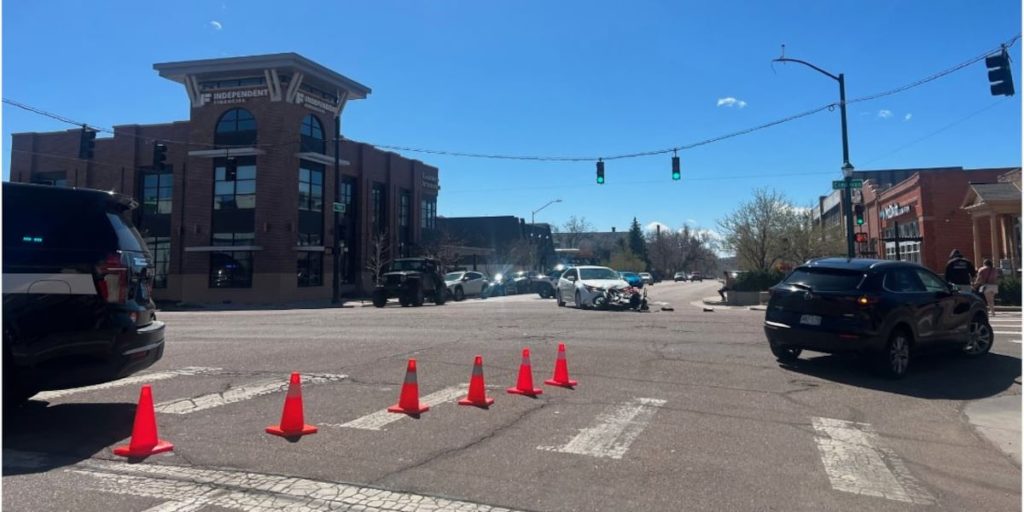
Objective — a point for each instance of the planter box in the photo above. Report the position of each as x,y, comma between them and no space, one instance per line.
733,298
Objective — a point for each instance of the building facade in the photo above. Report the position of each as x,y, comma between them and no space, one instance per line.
498,243
252,202
995,207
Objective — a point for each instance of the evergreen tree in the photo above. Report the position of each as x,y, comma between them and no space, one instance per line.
637,243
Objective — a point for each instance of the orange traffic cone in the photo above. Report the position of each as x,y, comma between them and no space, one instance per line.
292,422
524,386
561,376
477,395
144,441
409,399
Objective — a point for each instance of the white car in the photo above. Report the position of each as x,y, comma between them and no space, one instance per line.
647,277
464,284
580,285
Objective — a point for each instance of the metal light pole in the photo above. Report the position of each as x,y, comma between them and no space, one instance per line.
336,252
847,167
533,213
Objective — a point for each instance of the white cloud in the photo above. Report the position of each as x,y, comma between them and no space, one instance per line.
731,102
691,222
216,25
653,226
907,117
885,113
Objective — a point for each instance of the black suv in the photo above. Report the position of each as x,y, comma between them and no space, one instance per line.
77,282
889,309
412,280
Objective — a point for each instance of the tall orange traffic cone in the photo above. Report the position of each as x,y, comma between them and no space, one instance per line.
144,441
292,422
524,386
561,376
409,399
477,395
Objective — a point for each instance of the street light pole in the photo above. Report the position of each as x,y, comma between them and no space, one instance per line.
549,203
847,167
336,250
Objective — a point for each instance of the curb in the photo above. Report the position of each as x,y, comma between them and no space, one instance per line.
998,420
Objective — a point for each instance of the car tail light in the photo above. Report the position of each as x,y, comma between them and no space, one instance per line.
113,280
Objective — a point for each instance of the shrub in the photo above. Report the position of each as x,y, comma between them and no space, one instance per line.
1009,291
758,280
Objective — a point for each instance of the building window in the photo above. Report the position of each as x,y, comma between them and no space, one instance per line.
428,214
160,247
228,84
53,178
156,193
379,206
909,251
236,127
312,135
311,268
404,222
234,185
231,268
311,187
347,196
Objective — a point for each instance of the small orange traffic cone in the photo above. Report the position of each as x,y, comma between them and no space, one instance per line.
144,441
524,386
409,399
477,395
292,422
561,376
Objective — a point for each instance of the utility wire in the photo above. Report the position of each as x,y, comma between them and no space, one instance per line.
911,85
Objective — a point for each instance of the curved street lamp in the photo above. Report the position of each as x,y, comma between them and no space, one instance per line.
549,203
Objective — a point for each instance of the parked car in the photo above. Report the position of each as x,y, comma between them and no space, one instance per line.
889,310
680,276
633,279
696,276
465,284
412,281
545,284
647,277
77,291
581,285
520,281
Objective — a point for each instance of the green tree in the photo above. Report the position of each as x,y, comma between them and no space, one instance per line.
623,260
637,242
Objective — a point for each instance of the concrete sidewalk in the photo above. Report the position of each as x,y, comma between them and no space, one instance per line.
998,420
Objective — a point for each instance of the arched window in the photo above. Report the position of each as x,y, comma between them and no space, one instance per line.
312,134
236,127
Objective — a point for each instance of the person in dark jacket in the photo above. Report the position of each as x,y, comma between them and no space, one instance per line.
960,271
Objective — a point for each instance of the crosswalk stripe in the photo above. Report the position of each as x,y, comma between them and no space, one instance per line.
382,418
1015,341
855,464
1006,332
238,394
614,430
127,381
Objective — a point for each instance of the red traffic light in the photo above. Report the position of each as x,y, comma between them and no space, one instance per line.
861,238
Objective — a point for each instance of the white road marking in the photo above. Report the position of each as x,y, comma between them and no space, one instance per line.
382,418
1015,341
238,394
856,465
189,489
1006,332
614,431
144,378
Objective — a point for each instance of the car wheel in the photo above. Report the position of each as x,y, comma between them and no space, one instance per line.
895,360
785,354
380,299
403,300
981,336
458,294
417,297
576,300
440,296
558,299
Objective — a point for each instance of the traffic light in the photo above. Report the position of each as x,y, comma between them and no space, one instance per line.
600,172
861,238
1000,79
87,143
159,155
675,168
858,214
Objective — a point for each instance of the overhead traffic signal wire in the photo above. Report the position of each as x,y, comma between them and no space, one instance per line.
1012,41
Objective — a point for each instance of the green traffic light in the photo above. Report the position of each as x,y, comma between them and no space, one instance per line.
600,180
860,221
675,176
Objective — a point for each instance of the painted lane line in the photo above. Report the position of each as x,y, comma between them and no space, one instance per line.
382,418
1006,332
144,378
614,430
855,464
238,394
188,489
1015,341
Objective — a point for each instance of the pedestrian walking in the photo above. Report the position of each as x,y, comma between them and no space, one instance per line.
728,285
960,271
987,283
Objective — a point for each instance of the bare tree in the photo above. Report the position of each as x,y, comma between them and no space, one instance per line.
520,253
380,255
802,240
445,249
755,231
574,228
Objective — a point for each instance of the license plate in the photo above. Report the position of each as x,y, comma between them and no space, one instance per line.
810,319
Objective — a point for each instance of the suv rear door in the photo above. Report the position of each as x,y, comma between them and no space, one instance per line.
818,298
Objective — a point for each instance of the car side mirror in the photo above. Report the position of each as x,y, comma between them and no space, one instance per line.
953,288
572,278
465,278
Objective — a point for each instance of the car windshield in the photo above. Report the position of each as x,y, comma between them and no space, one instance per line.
825,279
407,265
453,276
598,273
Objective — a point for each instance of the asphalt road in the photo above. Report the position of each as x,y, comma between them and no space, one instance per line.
675,410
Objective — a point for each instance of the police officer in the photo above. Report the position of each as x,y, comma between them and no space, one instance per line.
960,271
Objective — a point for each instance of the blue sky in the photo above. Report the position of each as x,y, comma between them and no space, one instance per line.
564,78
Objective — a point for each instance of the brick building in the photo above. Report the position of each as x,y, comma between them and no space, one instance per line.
926,204
243,209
